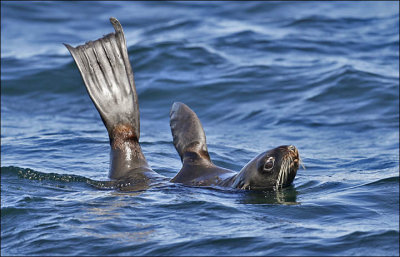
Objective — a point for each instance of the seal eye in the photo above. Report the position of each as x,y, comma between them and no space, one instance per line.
269,164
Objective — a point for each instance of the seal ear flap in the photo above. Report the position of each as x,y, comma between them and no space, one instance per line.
188,134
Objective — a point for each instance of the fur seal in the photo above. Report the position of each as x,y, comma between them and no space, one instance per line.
107,74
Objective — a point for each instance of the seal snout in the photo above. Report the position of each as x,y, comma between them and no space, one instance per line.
291,148
294,154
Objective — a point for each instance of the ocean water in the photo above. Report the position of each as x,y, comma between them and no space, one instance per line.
323,76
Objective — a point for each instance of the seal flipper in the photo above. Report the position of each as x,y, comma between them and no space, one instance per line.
190,142
188,134
108,77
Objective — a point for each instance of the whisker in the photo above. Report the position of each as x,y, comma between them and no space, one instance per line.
283,172
288,169
301,163
279,178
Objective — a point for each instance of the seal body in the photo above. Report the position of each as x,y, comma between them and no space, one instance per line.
108,77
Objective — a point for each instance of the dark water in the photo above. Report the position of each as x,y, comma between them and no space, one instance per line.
323,76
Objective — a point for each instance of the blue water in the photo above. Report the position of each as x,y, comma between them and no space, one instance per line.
323,76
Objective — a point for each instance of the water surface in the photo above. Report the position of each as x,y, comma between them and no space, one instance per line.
323,76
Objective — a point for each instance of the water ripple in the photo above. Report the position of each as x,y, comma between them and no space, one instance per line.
320,75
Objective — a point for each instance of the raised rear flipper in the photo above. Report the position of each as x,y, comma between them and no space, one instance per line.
190,142
108,77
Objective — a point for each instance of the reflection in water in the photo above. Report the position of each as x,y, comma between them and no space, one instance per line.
128,237
110,210
286,196
104,211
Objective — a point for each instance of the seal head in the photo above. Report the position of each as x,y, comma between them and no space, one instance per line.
273,168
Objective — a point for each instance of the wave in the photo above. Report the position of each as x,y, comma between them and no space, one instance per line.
310,20
320,75
30,174
384,181
356,242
